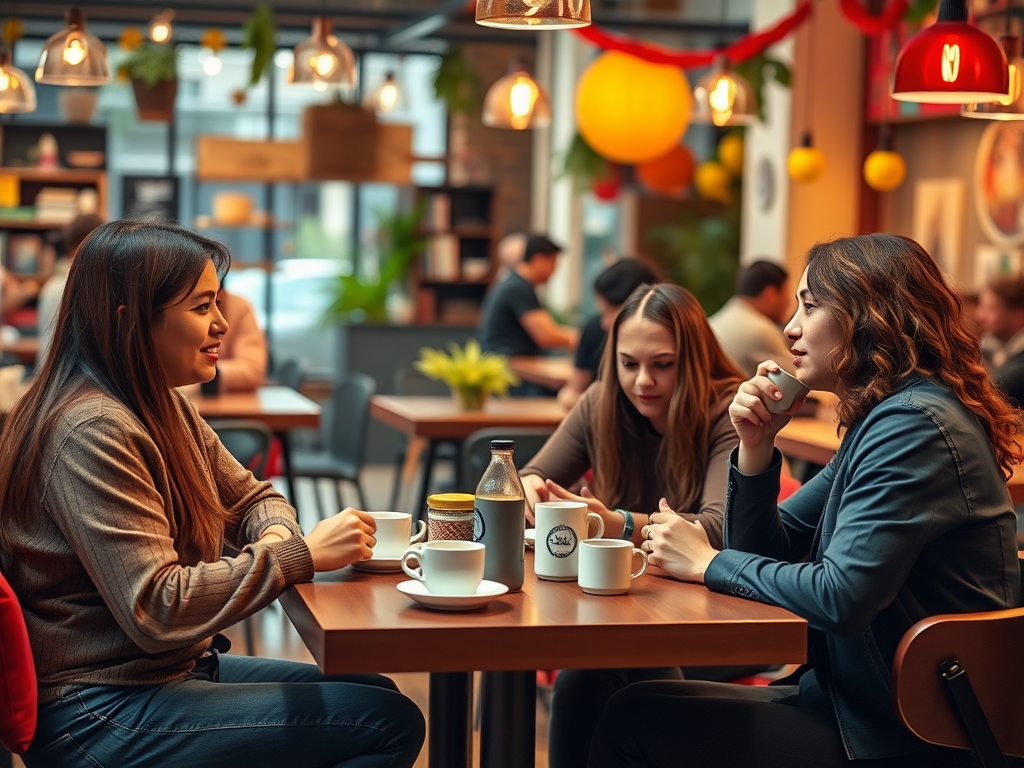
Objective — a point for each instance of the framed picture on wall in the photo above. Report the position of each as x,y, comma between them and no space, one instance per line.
992,261
999,183
939,220
151,197
24,253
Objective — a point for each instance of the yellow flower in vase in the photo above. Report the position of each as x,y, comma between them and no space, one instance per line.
471,373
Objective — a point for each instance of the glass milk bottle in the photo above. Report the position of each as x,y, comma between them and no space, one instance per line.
500,517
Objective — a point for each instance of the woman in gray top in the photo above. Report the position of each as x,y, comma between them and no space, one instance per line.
116,501
910,519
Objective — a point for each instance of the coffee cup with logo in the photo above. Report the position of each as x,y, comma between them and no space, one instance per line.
606,566
394,534
561,526
447,567
791,389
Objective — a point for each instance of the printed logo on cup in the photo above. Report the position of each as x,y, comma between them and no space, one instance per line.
562,541
479,529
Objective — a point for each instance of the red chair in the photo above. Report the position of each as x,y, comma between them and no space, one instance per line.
19,700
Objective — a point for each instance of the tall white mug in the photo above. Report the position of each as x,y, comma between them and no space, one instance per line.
393,534
606,566
561,526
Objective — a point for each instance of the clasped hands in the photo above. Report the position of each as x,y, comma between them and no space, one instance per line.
676,545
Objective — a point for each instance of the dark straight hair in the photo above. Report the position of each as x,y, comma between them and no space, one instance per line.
124,277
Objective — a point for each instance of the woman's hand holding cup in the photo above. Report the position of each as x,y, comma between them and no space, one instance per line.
762,406
342,540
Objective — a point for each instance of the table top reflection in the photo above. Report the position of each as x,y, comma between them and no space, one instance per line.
281,408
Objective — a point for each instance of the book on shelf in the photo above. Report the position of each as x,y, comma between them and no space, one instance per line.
57,204
442,257
440,212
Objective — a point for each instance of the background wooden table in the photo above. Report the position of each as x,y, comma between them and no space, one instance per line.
353,621
550,372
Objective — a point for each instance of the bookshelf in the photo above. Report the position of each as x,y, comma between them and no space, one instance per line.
459,260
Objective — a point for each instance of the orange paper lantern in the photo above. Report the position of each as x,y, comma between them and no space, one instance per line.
631,111
669,174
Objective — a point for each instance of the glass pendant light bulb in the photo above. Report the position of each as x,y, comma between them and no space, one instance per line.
516,101
73,56
17,93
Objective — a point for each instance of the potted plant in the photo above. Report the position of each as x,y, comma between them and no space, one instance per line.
470,373
153,71
363,297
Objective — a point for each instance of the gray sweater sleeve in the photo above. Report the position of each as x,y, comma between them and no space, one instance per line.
107,490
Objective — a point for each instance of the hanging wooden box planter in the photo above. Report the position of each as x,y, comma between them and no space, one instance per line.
155,102
346,142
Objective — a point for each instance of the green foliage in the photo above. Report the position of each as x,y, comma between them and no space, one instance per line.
702,251
364,297
457,83
919,9
258,34
467,369
582,164
758,71
151,63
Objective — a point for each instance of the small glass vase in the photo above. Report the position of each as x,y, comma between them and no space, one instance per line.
469,398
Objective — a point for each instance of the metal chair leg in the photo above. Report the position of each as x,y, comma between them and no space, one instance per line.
337,495
316,498
359,493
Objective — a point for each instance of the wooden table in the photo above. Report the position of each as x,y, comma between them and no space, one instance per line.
438,419
353,622
280,408
816,440
550,372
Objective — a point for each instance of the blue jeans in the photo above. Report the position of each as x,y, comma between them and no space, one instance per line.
262,712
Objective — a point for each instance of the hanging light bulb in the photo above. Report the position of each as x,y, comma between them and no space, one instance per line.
723,97
73,56
322,60
160,30
17,93
385,98
520,14
951,62
1011,105
516,101
210,62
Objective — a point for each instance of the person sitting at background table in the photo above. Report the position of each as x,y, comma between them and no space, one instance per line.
73,234
116,500
655,424
611,288
910,519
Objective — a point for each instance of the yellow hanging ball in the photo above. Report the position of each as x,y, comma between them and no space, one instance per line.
805,164
884,170
631,111
730,153
712,182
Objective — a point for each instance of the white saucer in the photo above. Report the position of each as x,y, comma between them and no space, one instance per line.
531,537
379,565
487,591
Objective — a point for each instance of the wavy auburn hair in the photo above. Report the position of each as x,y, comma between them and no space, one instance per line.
705,376
897,317
126,274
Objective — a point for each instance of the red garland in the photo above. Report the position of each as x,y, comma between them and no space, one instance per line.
873,25
741,50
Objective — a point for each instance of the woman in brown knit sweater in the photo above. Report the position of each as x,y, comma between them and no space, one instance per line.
116,500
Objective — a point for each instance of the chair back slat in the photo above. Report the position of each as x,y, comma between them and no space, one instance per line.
988,645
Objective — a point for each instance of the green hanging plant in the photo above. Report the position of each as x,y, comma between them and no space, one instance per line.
457,83
582,164
758,71
919,10
258,33
150,63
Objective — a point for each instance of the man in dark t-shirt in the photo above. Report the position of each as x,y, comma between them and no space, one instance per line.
512,319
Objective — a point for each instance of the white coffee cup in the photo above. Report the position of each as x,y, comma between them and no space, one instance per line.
447,567
393,534
790,387
606,566
561,526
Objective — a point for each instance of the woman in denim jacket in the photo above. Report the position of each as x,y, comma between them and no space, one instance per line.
910,519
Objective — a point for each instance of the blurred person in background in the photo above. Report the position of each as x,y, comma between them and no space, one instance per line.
1000,315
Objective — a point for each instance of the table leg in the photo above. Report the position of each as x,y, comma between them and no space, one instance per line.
286,464
508,730
451,728
420,513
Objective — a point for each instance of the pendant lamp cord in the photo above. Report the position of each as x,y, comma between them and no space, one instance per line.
809,102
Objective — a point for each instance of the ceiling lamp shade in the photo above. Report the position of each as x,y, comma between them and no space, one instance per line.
1011,105
73,56
516,101
951,62
322,60
533,14
724,97
17,93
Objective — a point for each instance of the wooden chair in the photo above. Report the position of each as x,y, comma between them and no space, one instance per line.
956,684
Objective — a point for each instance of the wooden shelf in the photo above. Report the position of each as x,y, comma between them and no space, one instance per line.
56,176
31,224
254,222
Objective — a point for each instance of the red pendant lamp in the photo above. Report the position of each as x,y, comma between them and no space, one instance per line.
951,62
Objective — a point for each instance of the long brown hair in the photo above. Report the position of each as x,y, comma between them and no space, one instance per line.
125,275
705,376
898,317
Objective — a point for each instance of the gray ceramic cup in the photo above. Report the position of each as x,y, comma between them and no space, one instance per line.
791,390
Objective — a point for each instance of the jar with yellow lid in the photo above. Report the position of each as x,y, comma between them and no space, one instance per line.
450,516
